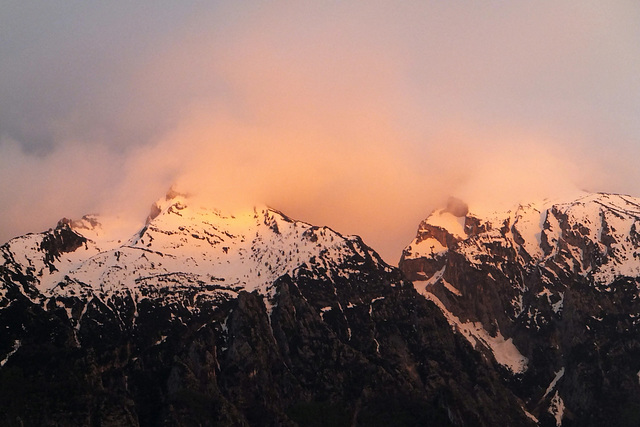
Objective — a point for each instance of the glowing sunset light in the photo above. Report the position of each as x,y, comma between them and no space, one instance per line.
357,116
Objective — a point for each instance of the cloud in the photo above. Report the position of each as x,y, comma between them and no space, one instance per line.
38,190
358,116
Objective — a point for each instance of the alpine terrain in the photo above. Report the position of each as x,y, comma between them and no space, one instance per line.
549,293
207,318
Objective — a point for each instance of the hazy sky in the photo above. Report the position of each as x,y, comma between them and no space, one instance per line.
360,115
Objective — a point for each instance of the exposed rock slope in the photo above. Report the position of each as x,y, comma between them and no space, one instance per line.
203,318
550,291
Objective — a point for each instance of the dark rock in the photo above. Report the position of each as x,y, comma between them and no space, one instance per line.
566,309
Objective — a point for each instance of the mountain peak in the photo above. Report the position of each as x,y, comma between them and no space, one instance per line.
542,288
172,196
183,237
539,230
230,308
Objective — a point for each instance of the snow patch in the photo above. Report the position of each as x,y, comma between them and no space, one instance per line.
557,307
528,222
503,350
162,339
530,416
453,224
556,408
426,248
553,383
451,288
16,346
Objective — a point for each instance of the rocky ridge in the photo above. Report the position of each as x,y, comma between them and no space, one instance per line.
549,292
206,318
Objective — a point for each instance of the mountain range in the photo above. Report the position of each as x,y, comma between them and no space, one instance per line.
202,317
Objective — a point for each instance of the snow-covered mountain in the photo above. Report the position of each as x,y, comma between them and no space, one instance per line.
549,290
182,246
208,318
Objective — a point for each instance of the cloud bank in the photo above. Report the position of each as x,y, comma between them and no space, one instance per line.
360,117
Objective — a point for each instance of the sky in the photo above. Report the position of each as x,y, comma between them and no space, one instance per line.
360,115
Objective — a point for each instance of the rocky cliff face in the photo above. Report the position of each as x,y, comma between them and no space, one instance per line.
549,291
202,318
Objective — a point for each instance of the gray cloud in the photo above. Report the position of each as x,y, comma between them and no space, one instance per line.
362,117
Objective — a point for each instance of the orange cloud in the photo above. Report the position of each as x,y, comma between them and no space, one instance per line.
357,116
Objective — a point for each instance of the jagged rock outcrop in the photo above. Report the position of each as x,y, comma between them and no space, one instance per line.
202,318
550,291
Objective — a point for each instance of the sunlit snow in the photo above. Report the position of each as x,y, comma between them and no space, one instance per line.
453,224
184,245
504,351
